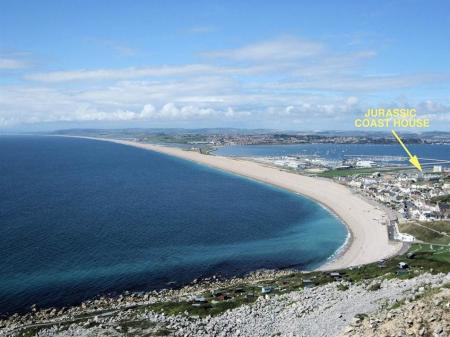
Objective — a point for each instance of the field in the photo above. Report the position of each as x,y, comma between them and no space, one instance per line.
347,172
357,171
437,232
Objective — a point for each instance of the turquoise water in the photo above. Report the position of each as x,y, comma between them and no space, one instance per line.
79,218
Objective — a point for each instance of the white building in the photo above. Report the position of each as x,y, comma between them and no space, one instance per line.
365,163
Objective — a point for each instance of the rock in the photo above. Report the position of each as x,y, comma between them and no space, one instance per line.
439,330
422,331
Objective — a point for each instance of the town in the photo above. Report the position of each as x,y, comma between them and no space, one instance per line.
410,197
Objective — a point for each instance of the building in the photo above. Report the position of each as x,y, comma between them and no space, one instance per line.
266,290
437,169
365,163
403,265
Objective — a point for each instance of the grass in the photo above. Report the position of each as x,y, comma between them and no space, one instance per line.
425,258
29,332
342,287
347,172
358,171
442,198
420,258
172,138
162,332
139,324
175,308
426,235
397,304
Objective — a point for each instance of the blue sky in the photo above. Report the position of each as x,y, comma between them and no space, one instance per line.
303,65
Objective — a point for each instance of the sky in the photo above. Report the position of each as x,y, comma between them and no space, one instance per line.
292,65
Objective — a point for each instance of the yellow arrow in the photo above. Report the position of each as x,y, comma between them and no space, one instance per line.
412,159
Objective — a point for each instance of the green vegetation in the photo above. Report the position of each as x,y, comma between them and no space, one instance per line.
34,330
357,171
438,257
202,309
436,232
442,198
161,332
30,332
420,258
342,287
423,258
361,316
347,172
173,308
172,138
397,304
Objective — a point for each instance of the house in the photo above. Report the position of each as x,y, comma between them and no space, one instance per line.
337,276
266,290
223,297
307,283
444,209
216,293
403,265
437,168
199,299
405,237
365,163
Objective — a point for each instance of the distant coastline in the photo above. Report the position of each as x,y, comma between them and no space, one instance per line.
368,240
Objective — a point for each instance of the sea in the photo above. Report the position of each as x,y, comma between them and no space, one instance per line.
82,218
429,154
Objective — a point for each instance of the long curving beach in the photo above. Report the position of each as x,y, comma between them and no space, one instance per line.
368,241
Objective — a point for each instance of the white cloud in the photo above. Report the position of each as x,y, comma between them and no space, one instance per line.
172,111
288,64
284,48
358,83
122,74
312,108
9,63
37,105
138,101
352,100
164,71
436,112
148,110
283,80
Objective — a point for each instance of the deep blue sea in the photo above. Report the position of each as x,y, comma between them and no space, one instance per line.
79,218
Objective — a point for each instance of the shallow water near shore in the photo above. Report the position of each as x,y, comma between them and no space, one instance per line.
82,217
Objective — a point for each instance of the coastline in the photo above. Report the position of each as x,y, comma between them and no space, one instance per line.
367,240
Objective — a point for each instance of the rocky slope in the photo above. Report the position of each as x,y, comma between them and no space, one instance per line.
381,307
427,316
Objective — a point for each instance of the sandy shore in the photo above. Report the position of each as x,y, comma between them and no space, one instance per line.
368,241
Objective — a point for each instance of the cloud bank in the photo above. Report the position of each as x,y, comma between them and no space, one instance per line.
283,82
